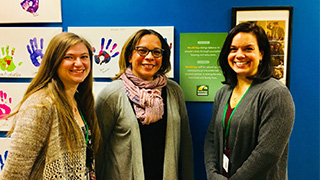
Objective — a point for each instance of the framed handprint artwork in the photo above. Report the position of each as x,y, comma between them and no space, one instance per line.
30,11
277,23
10,95
4,149
22,49
108,41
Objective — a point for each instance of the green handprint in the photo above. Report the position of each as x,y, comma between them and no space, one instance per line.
6,63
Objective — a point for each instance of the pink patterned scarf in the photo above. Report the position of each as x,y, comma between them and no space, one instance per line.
145,95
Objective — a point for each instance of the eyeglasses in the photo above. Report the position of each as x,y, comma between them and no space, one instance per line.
143,51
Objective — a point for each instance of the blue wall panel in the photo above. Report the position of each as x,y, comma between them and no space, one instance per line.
215,16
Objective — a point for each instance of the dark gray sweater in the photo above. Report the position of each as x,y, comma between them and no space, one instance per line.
259,134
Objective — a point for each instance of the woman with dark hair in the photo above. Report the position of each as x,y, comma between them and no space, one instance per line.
253,113
143,117
56,132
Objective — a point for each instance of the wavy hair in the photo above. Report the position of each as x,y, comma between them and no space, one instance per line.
47,79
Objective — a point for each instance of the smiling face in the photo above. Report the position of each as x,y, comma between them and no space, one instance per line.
244,55
145,67
75,66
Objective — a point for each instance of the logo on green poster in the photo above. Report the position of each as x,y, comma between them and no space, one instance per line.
203,90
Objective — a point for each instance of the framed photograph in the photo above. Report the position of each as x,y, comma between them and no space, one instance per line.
277,23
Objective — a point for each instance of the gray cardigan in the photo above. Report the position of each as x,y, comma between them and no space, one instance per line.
121,157
259,134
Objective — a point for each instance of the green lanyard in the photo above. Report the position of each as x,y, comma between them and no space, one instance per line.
87,127
224,116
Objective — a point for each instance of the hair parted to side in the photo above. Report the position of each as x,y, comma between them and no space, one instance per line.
129,48
265,68
47,79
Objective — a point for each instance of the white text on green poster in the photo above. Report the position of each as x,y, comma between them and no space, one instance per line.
200,76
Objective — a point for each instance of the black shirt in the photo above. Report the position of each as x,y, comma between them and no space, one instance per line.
153,144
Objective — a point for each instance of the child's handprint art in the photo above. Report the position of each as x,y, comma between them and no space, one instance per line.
36,53
30,6
6,62
170,44
104,56
5,102
3,158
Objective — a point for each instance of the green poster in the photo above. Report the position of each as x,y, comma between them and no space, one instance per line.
200,76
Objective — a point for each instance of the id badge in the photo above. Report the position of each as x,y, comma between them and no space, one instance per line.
225,162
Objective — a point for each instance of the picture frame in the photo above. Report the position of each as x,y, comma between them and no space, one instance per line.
277,22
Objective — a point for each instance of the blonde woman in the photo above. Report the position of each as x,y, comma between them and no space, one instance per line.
56,130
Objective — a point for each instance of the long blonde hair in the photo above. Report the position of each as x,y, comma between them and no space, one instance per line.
48,80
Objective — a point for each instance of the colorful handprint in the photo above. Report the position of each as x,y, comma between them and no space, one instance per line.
6,62
2,160
4,102
104,56
30,6
36,54
170,44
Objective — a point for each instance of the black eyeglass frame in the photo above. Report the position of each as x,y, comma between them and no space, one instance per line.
152,51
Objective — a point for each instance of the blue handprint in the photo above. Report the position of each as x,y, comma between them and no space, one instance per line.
104,56
2,160
36,54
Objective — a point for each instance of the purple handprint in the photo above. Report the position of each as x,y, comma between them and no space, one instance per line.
4,109
104,56
30,6
36,54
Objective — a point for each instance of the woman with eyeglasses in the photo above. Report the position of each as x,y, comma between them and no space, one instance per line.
143,116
